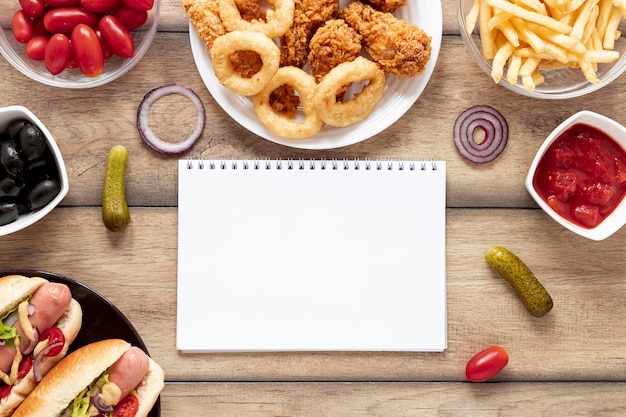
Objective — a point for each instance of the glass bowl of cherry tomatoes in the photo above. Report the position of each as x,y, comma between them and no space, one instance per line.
76,43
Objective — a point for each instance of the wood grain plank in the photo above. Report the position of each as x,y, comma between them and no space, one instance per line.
581,339
395,400
86,123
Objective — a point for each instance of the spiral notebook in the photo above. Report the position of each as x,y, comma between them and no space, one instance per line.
311,256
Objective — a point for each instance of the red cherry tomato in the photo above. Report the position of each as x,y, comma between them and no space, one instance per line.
22,26
62,3
116,36
53,335
101,6
87,51
5,390
65,19
144,5
106,51
36,48
57,53
486,364
25,365
127,407
39,28
33,8
131,18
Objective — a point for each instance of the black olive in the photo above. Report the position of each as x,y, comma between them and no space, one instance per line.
8,188
8,212
13,129
11,159
32,142
43,193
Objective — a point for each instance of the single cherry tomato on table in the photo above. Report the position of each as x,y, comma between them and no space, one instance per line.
127,407
53,335
486,364
87,51
57,53
36,48
65,19
23,28
116,36
33,8
131,18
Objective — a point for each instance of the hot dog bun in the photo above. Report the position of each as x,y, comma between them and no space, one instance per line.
13,290
77,370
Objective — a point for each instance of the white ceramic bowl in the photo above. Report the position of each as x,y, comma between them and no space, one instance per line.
114,67
559,84
7,115
611,128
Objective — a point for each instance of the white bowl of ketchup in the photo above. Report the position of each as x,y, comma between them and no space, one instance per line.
578,175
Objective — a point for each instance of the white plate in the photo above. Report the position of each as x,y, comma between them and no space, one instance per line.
398,98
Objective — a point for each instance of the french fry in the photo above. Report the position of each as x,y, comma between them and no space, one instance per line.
487,39
530,15
472,17
499,61
611,32
512,71
525,37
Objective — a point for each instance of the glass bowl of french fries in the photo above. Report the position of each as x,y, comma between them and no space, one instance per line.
550,49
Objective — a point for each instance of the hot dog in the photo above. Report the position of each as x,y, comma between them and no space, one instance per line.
39,320
97,379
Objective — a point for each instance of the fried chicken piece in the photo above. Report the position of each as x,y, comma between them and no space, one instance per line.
332,44
204,15
205,18
387,6
307,17
398,47
250,10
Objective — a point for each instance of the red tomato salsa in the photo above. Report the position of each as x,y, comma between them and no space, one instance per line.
582,176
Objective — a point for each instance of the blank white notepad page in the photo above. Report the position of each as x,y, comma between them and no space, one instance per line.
291,256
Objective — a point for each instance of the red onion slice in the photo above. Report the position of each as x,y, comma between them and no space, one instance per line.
99,403
143,119
494,126
37,362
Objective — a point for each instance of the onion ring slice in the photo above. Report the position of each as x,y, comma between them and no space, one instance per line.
143,119
494,126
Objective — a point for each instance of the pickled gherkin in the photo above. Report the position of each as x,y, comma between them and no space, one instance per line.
533,295
115,214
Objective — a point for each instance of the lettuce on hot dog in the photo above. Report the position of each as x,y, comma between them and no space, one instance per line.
105,378
38,322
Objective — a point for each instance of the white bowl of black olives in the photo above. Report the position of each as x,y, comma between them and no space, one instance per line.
33,178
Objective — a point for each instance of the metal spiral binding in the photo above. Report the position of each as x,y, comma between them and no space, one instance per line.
301,164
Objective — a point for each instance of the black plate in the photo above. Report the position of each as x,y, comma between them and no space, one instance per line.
101,319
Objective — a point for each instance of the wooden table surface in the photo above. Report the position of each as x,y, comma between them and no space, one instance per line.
571,362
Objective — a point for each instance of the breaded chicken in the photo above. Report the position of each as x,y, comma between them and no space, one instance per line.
332,44
387,6
205,18
398,47
307,17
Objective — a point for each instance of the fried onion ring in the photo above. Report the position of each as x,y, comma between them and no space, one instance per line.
277,21
238,40
341,114
282,125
